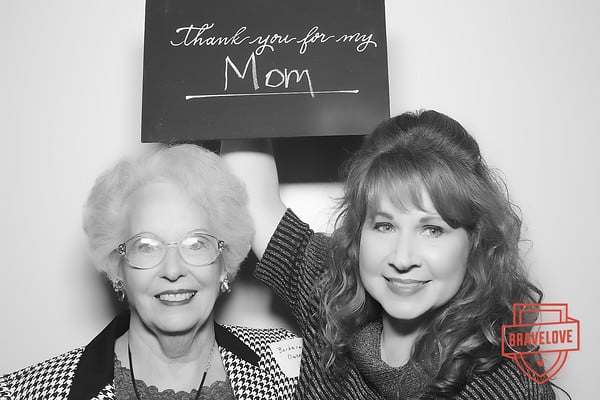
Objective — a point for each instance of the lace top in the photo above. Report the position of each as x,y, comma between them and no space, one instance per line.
218,390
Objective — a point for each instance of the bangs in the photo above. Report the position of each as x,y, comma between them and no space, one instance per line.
404,178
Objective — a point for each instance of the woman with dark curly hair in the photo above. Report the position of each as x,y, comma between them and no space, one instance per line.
407,298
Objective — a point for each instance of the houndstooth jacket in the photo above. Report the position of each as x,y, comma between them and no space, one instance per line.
249,356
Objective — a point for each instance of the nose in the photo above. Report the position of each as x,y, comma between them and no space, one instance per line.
405,254
173,267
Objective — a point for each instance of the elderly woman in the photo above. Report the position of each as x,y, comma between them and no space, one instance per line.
170,231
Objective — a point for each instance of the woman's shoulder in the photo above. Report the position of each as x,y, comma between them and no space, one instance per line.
52,377
277,346
260,336
506,380
272,360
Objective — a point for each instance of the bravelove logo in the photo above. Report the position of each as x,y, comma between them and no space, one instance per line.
540,349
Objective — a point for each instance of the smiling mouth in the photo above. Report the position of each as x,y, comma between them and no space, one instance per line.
176,296
406,284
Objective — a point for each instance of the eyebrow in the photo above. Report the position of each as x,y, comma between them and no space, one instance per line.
427,217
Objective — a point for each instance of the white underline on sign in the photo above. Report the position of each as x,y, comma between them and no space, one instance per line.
204,96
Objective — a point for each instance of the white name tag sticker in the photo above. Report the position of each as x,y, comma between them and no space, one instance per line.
288,354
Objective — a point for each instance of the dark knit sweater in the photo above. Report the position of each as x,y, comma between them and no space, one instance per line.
400,383
291,264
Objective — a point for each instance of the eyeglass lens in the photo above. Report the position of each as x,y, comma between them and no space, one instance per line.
196,249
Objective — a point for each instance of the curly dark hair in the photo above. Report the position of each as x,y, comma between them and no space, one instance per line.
404,155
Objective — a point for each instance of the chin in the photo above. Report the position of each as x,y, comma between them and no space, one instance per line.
178,322
175,327
405,312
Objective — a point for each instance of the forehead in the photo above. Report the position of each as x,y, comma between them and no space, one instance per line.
165,209
396,197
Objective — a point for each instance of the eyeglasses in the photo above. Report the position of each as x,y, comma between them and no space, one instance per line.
146,250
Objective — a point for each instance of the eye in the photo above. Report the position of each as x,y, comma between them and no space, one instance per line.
433,230
146,245
196,243
383,227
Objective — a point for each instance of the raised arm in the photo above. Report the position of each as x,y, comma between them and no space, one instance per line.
252,161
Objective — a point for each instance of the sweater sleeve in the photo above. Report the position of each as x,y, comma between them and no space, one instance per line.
294,259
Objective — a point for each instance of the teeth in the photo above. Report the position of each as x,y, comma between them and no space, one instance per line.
406,284
176,296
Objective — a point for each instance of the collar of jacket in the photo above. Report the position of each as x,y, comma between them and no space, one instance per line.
95,368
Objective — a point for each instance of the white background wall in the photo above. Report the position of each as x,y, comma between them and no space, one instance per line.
522,76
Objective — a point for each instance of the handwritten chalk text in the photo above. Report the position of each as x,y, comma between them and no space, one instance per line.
198,36
274,78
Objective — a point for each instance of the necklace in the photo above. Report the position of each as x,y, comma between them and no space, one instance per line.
210,356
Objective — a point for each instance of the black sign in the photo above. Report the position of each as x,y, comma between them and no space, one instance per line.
216,69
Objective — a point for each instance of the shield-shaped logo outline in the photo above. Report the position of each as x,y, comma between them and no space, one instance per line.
540,373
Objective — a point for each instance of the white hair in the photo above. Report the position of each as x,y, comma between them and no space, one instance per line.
200,172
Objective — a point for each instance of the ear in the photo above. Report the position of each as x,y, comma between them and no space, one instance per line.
114,266
119,275
223,274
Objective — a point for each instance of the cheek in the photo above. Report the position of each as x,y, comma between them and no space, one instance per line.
450,264
136,281
365,259
208,278
137,289
371,259
373,250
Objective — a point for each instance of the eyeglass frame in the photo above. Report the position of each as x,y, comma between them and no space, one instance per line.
122,248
